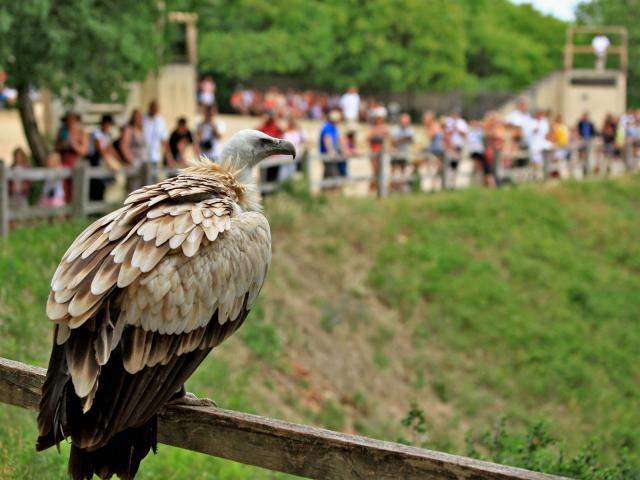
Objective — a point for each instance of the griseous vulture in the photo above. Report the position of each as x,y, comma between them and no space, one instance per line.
142,296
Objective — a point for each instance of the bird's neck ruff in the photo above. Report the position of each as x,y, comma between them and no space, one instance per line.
238,180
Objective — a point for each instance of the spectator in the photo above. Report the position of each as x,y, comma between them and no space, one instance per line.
476,147
402,136
609,130
72,143
210,133
53,194
628,122
631,127
537,138
560,137
435,136
179,140
102,151
519,122
207,91
586,129
600,45
7,94
378,133
132,145
456,129
241,101
330,145
270,127
351,143
19,189
156,136
3,79
455,137
350,106
293,134
377,137
494,143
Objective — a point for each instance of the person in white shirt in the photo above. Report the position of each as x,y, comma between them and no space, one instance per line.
456,128
519,122
350,106
207,93
537,137
156,136
600,44
210,133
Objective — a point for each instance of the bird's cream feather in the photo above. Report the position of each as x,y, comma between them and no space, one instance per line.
175,254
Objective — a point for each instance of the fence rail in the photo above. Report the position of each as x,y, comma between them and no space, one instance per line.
322,172
282,446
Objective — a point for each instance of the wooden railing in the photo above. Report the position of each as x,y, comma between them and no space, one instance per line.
427,171
282,446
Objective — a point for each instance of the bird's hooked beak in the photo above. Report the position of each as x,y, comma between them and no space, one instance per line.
282,147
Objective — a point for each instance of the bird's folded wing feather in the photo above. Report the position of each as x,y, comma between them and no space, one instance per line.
167,270
116,249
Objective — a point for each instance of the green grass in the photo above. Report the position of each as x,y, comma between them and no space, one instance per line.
471,306
533,295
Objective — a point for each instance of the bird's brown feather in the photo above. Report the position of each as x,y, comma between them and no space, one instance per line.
140,298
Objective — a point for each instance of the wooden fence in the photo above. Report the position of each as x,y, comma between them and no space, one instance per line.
282,446
425,173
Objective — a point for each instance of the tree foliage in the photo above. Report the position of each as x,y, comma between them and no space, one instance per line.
75,47
624,13
86,47
380,45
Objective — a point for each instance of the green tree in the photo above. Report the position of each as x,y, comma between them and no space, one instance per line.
510,46
245,39
75,47
379,45
397,45
624,13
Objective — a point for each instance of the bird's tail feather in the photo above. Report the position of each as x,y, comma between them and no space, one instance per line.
121,456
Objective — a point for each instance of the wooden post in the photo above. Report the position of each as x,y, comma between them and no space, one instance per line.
628,156
445,170
546,164
305,161
382,180
588,163
497,166
4,200
146,173
80,186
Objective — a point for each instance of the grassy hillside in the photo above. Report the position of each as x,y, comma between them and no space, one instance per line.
471,306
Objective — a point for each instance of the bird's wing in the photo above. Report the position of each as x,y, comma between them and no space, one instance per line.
115,250
140,298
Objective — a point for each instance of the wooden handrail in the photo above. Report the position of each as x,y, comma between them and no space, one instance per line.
282,446
312,165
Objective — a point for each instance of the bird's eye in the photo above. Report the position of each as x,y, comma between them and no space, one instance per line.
265,141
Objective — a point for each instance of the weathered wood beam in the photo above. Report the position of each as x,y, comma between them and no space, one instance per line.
282,446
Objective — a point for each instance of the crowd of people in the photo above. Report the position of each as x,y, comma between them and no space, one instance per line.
521,137
143,138
350,128
308,104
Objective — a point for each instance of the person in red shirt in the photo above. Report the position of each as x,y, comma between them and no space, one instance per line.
270,127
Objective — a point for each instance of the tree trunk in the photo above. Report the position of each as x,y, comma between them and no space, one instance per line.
30,127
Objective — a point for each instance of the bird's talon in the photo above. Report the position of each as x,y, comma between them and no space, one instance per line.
190,400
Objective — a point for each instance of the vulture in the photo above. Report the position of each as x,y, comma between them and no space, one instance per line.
142,296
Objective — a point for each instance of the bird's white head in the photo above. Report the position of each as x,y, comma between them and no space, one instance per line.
247,147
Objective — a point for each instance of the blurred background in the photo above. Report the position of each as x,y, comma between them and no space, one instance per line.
455,258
